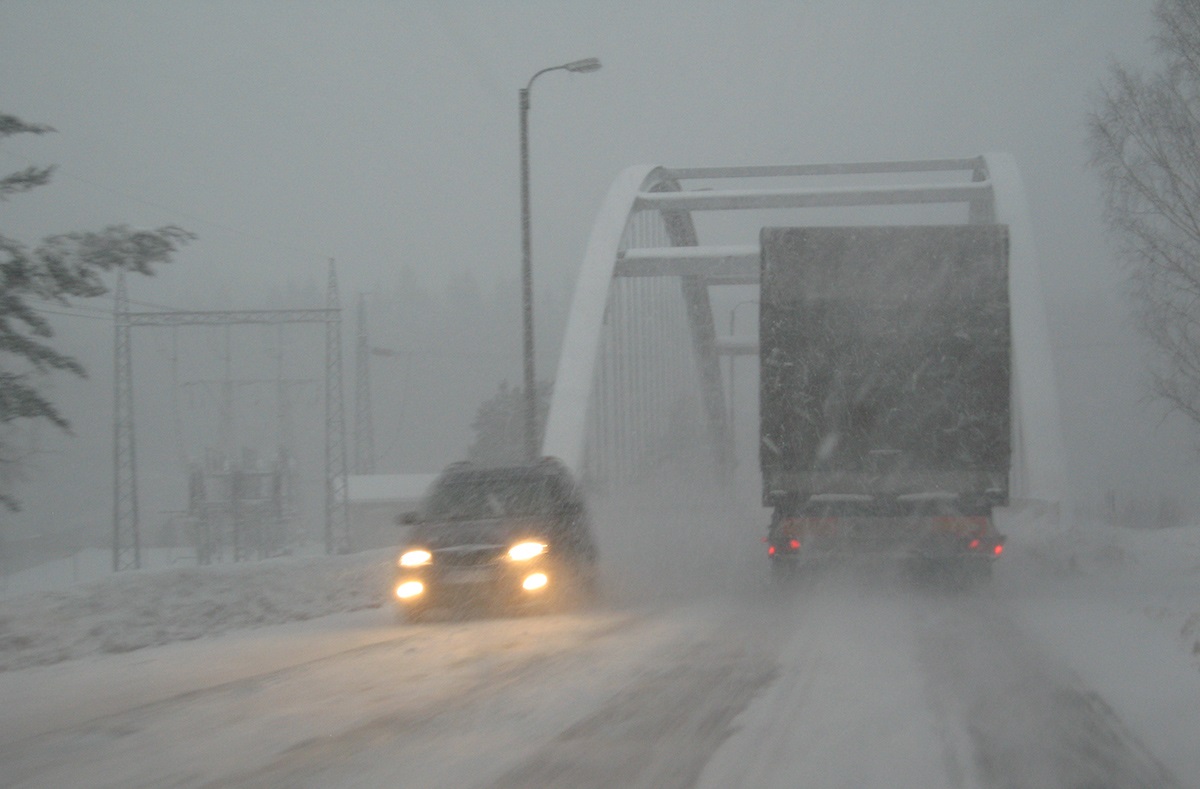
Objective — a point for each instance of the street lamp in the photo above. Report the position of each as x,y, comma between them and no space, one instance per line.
733,353
531,442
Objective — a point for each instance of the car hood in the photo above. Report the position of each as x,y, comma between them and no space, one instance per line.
489,532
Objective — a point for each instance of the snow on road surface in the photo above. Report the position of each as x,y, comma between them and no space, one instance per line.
1077,666
919,690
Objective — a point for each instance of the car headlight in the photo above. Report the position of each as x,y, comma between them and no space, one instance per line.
535,582
523,551
409,590
415,558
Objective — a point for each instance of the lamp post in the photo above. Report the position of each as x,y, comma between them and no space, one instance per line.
531,440
733,353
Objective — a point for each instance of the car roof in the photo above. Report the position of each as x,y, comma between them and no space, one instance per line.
488,474
468,472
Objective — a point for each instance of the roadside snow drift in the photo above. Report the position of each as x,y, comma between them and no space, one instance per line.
142,608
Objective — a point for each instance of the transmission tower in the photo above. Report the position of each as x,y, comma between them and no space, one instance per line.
125,519
364,430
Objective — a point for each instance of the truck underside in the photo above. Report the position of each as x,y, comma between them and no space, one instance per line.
932,533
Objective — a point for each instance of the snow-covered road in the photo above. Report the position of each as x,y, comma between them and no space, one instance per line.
852,679
454,703
925,690
1073,668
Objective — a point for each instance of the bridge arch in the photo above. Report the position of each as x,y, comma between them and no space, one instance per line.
658,250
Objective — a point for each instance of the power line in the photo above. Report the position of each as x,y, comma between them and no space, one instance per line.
150,304
45,311
60,306
90,313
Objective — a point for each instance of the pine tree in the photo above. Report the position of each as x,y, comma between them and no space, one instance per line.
57,270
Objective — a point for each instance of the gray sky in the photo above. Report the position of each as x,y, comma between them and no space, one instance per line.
384,134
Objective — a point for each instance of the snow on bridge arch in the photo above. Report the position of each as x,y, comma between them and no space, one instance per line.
640,381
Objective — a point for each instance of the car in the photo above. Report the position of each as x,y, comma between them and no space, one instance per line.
509,537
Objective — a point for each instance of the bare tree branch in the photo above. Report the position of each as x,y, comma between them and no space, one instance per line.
1145,144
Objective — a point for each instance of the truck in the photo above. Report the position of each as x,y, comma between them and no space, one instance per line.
885,394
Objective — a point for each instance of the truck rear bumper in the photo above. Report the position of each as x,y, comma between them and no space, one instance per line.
981,543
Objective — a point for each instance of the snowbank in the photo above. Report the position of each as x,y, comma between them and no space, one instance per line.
136,609
1153,573
1120,607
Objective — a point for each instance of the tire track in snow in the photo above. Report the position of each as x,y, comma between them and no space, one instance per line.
272,729
849,707
1030,721
659,732
481,727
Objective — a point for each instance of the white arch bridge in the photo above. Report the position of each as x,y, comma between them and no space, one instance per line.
640,382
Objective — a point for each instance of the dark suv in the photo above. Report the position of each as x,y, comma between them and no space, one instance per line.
517,536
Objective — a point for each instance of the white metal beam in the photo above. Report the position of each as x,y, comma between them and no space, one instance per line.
737,346
740,199
837,168
727,265
1039,470
566,425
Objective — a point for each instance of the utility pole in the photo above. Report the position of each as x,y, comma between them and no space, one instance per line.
337,503
127,553
532,439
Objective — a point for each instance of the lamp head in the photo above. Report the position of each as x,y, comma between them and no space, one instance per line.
583,66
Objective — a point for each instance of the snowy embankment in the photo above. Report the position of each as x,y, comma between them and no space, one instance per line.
1149,576
1121,608
135,609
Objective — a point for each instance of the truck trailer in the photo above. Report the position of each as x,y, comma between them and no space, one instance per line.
885,393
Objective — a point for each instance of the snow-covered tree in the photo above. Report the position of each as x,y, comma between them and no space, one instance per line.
58,269
1145,143
499,426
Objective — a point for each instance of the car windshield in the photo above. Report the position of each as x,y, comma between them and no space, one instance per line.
492,497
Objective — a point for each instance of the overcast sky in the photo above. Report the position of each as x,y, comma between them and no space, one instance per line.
385,134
